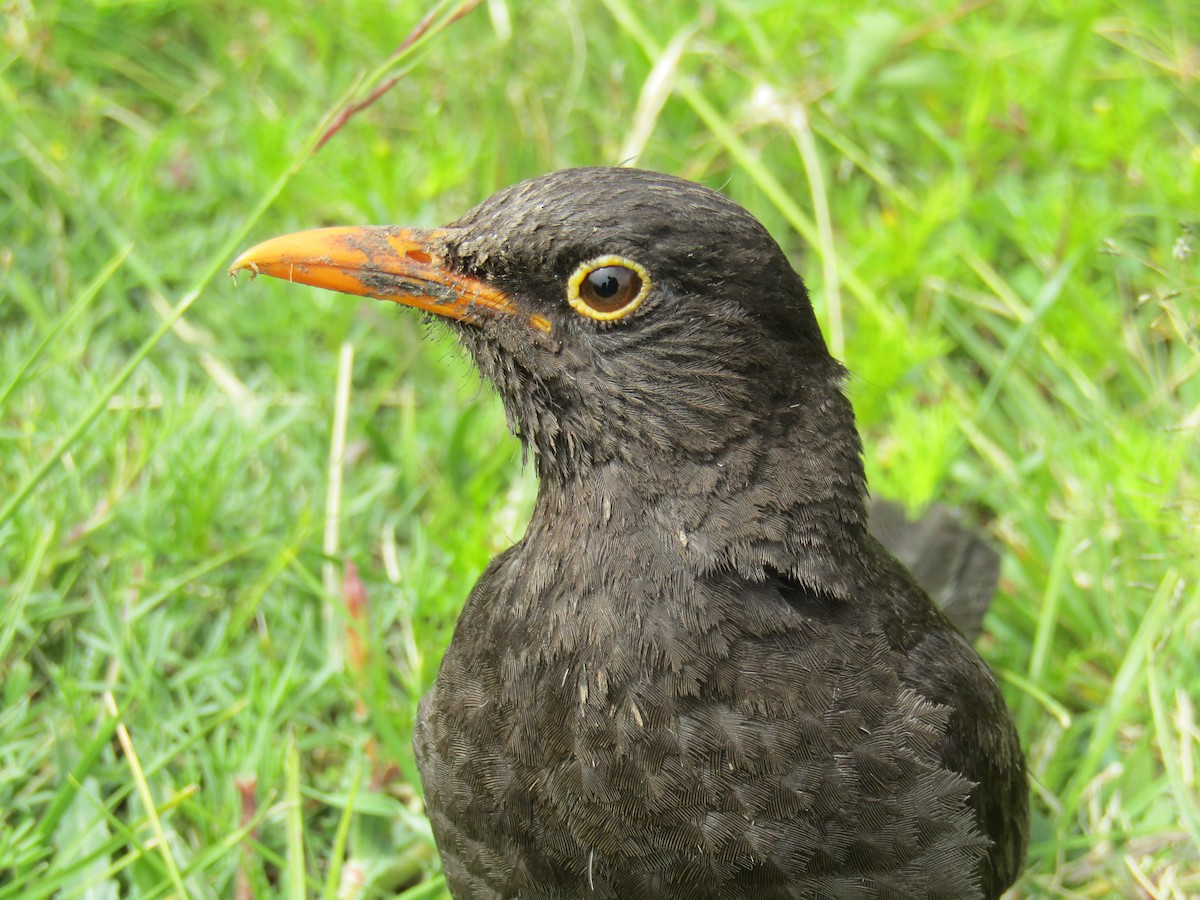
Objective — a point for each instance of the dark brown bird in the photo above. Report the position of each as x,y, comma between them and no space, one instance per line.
697,675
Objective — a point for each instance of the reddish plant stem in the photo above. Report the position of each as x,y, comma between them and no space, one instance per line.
352,109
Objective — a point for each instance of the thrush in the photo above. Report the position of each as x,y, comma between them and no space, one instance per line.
697,675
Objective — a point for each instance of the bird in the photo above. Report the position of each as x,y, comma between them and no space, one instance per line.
952,563
697,674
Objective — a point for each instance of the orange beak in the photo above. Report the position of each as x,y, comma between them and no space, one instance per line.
384,262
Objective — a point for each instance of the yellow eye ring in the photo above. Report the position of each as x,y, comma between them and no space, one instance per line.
608,288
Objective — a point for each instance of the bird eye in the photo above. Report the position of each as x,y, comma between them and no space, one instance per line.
608,288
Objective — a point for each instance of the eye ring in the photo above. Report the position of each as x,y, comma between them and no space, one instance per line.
608,288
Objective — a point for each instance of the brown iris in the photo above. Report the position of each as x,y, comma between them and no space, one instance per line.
608,288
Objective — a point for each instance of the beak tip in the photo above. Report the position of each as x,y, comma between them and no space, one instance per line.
244,261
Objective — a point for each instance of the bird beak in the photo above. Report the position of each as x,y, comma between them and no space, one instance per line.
385,262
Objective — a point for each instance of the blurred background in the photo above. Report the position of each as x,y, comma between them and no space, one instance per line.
213,639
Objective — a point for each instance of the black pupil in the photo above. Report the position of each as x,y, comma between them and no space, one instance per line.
610,287
605,285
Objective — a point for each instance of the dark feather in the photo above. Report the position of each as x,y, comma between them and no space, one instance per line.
954,564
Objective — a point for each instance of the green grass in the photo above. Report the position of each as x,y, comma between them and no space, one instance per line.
997,206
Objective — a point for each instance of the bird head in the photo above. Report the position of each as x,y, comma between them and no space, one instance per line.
625,316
